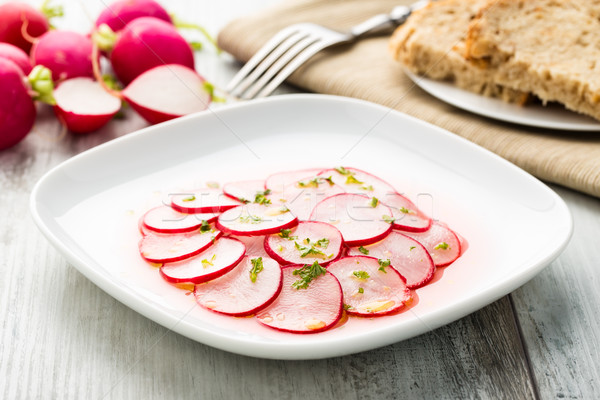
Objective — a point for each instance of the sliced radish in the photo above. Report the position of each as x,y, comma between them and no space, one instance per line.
256,219
213,262
240,292
308,242
171,248
255,245
405,213
310,310
202,201
370,288
246,191
407,256
303,196
354,180
166,92
441,243
83,105
359,218
164,219
276,182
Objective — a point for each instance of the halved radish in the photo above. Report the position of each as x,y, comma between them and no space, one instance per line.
405,214
164,219
246,191
213,262
407,256
83,105
276,182
370,288
303,196
166,92
441,243
359,218
171,248
256,219
206,200
255,245
251,286
308,242
306,310
354,180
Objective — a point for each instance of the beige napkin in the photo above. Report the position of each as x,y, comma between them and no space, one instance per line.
366,71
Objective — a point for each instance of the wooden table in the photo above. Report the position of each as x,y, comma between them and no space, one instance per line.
62,337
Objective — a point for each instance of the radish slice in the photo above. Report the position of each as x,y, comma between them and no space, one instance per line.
370,288
406,215
213,262
202,201
306,243
310,310
276,182
245,191
171,248
359,218
256,219
354,180
255,245
303,196
235,293
164,219
83,105
407,256
441,243
166,92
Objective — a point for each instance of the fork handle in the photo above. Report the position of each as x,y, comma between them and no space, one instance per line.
384,22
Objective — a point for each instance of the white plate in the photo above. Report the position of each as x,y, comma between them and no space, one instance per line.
88,207
553,116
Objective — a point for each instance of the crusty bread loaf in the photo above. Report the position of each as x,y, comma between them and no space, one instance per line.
432,43
550,48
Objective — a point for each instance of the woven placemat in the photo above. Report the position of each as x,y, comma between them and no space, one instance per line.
367,71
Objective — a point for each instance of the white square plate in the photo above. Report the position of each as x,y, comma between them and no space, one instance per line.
89,206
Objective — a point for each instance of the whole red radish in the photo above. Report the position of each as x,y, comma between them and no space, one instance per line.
145,43
17,109
16,55
67,54
12,17
121,12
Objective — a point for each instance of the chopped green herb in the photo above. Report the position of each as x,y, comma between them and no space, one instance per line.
212,184
383,264
322,243
374,202
363,250
308,250
243,200
250,219
257,266
361,290
405,210
190,198
307,274
208,263
412,247
309,183
361,274
351,180
285,233
280,248
388,219
261,199
329,180
347,306
205,226
442,246
343,171
367,188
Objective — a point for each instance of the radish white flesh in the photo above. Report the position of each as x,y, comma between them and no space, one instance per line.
256,219
441,243
407,256
235,293
406,215
303,196
164,219
171,248
213,262
370,289
255,245
359,218
202,201
310,310
83,105
245,191
306,243
166,92
354,180
276,182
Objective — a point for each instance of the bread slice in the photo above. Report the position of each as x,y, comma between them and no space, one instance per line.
432,43
550,48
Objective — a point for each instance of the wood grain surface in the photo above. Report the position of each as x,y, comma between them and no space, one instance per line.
63,338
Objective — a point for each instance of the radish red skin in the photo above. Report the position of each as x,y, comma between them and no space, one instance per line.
145,43
16,55
17,109
121,12
12,16
67,54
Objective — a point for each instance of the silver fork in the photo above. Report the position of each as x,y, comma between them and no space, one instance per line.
296,44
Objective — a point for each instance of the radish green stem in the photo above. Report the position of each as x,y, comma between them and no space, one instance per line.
51,11
187,25
104,37
98,75
41,83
